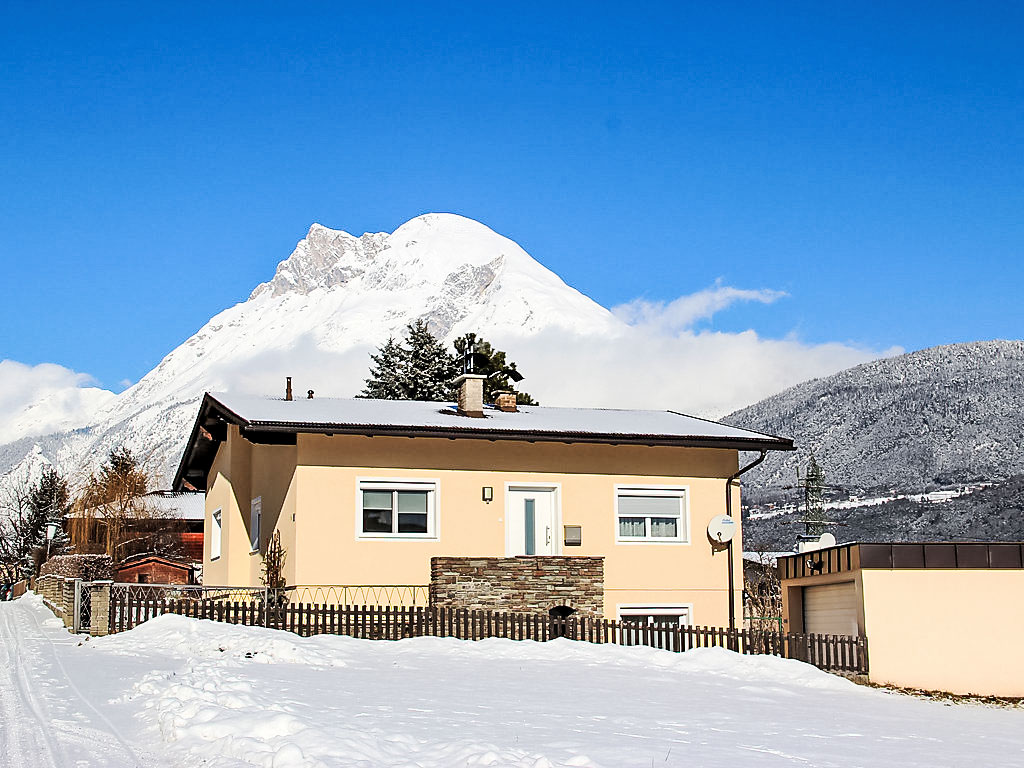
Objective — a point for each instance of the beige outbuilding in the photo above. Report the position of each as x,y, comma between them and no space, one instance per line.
938,616
367,492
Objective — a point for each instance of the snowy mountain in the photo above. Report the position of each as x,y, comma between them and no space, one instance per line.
894,433
335,298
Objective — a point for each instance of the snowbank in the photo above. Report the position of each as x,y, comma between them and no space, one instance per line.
253,696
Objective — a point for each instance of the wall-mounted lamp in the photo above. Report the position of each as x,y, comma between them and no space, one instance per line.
488,494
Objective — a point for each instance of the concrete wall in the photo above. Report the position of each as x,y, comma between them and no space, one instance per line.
955,630
317,481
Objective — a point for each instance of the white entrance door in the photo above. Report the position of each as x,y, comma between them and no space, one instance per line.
531,522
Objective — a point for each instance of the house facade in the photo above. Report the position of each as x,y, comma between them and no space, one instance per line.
366,492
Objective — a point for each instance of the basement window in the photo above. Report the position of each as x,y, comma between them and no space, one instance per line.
405,510
651,514
655,614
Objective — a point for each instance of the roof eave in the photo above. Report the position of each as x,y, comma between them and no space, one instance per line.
208,406
452,433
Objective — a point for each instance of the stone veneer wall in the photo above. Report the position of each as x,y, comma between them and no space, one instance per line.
523,584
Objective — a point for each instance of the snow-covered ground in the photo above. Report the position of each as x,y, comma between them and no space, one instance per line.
182,692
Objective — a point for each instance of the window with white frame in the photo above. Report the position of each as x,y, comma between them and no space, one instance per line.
390,509
255,520
216,526
651,514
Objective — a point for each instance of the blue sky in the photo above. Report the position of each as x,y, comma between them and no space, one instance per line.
155,165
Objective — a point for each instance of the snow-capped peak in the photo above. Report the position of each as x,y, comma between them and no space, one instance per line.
428,250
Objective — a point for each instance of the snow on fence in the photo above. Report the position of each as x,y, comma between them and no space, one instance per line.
130,607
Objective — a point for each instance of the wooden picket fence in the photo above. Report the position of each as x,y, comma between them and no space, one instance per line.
832,652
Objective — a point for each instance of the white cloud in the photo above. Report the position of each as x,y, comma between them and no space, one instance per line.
657,360
44,398
681,314
660,361
707,374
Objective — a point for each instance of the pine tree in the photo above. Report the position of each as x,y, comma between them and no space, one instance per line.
493,365
387,374
419,368
431,368
49,501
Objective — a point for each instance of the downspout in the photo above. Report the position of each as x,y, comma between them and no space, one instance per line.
728,511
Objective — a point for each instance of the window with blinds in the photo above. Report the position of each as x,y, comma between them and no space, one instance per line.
651,514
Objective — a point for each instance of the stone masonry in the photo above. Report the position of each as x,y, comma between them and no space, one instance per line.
532,584
100,609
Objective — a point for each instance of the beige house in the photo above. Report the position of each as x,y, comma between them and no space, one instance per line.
938,616
366,492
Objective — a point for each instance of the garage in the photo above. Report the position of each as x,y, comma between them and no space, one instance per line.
831,609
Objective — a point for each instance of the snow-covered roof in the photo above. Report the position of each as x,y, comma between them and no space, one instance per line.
266,419
185,505
766,558
330,411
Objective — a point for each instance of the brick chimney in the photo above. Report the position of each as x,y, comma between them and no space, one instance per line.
287,387
471,395
506,401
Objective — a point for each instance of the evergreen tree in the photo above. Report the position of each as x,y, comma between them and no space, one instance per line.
49,501
387,374
431,369
492,364
419,368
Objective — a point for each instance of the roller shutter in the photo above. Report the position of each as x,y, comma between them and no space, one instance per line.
831,609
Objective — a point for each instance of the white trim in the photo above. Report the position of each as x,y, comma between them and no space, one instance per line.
678,609
556,500
430,484
255,532
683,492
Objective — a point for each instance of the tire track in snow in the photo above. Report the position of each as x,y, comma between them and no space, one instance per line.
111,728
26,726
27,739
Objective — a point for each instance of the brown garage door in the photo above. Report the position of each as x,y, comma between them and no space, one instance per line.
831,609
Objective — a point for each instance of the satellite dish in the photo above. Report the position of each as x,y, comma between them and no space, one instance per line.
721,529
826,540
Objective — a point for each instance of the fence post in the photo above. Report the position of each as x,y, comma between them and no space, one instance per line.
99,615
266,606
76,617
